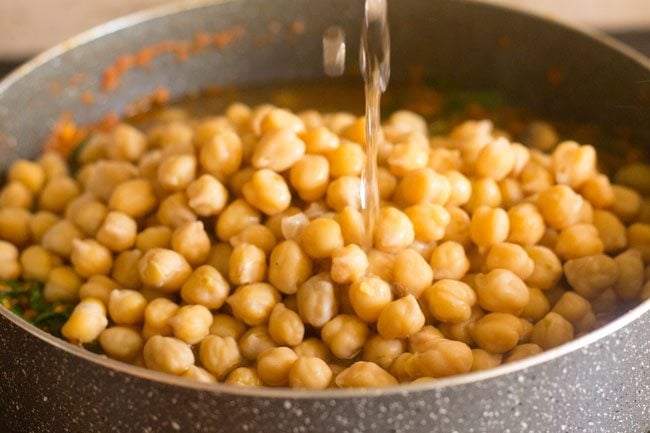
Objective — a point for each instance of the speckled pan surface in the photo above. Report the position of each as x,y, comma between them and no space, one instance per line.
597,384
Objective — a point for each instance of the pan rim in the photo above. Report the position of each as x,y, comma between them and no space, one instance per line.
287,393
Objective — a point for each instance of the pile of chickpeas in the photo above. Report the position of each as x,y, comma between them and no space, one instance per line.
228,248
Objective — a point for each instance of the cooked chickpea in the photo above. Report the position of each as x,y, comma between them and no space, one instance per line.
548,268
424,186
125,269
460,188
485,192
199,374
89,257
573,164
400,318
383,351
174,211
191,323
62,285
285,326
10,268
126,307
87,321
309,176
627,203
121,342
224,325
29,173
40,223
631,274
394,230
244,376
495,160
167,354
220,153
268,192
344,192
484,360
345,335
450,300
219,355
591,275
313,347
458,229
192,242
253,303
497,332
98,286
610,230
411,272
552,331
153,237
501,291
157,314
509,256
234,218
572,307
363,374
526,224
164,269
321,237
135,198
560,206
537,307
422,340
349,264
274,365
14,225
369,296
247,264
429,222
317,300
578,241
16,194
255,341
522,351
206,196
638,235
278,150
598,191
118,231
310,373
444,358
489,226
511,192
346,160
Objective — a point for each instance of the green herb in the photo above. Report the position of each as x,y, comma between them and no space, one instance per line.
73,157
458,101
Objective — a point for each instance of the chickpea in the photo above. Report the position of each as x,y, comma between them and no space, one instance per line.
512,257
274,365
343,192
247,264
234,218
321,237
573,164
383,351
572,307
320,140
126,143
221,153
484,360
309,176
191,323
87,321
511,192
121,343
381,264
425,186
502,291
526,224
495,160
497,332
429,221
98,286
552,331
89,258
10,268
278,150
268,192
548,268
345,335
458,229
310,373
192,242
347,159
638,235
444,358
126,307
313,347
253,303
317,301
369,296
364,374
400,318
59,238
62,285
412,273
164,269
285,326
125,269
219,355
610,230
103,178
255,341
560,206
135,198
224,325
387,183
351,223
422,340
199,374
278,118
591,275
485,192
537,307
404,367
522,351
157,314
598,191
16,194
153,237
40,223
14,225
578,241
244,376
29,173
174,211
631,274
450,300
627,203
394,230
118,231
489,226
349,264
206,196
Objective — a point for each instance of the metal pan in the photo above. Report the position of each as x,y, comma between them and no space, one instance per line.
598,383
